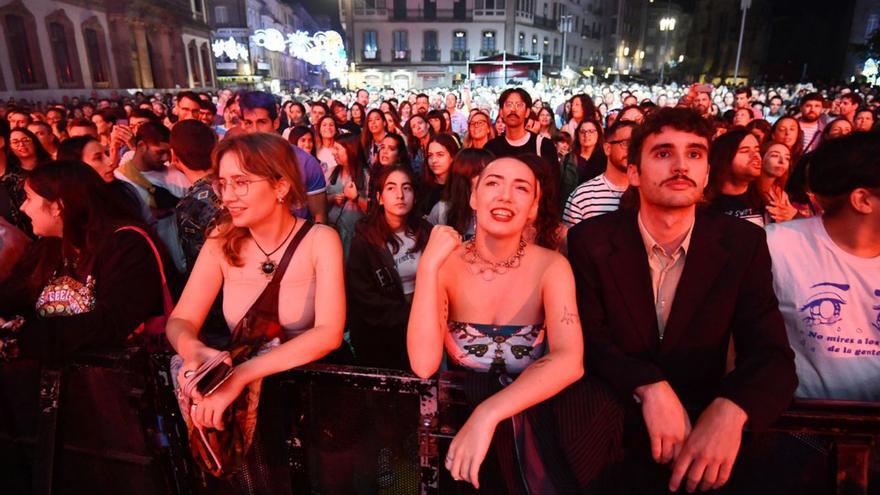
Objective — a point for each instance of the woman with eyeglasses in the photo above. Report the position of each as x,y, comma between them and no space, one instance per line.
587,154
259,184
480,130
25,151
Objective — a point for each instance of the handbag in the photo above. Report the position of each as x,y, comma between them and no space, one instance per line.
223,453
153,329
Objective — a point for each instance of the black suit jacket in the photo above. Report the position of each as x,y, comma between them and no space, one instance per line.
726,289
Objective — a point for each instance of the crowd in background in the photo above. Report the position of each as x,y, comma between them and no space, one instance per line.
139,214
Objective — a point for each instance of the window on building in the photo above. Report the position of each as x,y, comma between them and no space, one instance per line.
194,62
371,46
459,46
400,45
206,64
59,43
197,6
93,52
430,52
546,46
555,46
221,15
522,44
487,43
459,40
534,45
20,50
369,4
489,4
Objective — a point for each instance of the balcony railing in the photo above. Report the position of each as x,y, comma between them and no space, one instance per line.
495,13
371,13
441,15
372,54
400,55
523,16
460,55
546,22
430,55
488,53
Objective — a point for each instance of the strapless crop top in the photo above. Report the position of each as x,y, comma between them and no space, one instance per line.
495,348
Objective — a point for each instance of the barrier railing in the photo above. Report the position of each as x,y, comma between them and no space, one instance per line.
351,427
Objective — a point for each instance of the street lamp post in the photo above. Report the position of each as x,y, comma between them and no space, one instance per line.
744,5
667,24
565,28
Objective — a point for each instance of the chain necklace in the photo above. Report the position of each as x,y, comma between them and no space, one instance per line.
486,269
269,266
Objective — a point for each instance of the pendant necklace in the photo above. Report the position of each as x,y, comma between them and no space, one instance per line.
269,266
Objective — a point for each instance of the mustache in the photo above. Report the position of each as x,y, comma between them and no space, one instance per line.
679,177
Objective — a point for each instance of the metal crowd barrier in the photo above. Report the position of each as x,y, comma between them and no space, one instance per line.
352,430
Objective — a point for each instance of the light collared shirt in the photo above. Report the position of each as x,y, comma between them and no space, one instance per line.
666,270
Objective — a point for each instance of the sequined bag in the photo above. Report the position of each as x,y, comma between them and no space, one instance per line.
64,295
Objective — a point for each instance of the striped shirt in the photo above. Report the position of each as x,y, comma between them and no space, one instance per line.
594,197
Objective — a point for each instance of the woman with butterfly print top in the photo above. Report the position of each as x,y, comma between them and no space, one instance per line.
500,307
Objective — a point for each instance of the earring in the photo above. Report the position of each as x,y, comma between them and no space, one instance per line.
280,199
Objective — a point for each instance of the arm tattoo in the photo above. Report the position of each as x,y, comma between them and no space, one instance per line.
568,317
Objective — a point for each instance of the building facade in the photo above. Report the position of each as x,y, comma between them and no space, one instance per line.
241,61
56,48
425,43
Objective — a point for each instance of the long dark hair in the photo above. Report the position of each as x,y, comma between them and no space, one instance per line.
357,159
363,111
448,142
366,135
72,148
586,103
90,213
413,143
43,156
600,138
549,220
299,131
721,157
403,157
374,227
468,163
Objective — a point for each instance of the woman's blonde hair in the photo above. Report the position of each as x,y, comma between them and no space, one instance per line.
264,155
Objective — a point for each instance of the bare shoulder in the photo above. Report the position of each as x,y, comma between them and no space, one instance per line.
324,234
546,259
213,247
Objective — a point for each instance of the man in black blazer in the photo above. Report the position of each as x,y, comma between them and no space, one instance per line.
661,291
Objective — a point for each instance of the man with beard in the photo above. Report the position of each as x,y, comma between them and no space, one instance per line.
159,186
602,194
363,97
702,100
812,120
661,291
849,105
736,165
514,105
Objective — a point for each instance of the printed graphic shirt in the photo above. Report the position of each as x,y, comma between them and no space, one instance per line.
830,300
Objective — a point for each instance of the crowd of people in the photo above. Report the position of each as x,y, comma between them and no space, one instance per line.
633,275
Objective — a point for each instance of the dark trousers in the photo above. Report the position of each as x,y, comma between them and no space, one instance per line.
767,463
